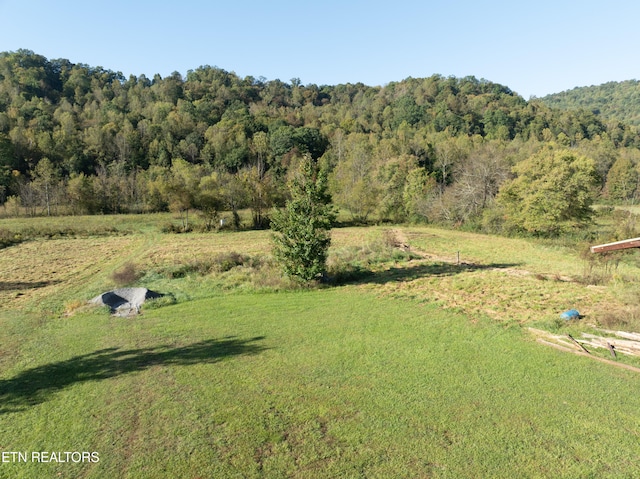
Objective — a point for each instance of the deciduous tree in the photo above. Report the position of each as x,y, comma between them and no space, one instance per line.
47,184
354,182
552,192
622,180
181,189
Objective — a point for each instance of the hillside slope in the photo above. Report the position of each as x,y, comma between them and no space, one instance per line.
618,101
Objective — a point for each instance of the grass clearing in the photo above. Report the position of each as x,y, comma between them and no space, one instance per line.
414,367
304,385
37,274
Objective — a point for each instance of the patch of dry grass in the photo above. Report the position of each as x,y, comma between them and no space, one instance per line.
181,249
503,294
504,278
36,270
507,279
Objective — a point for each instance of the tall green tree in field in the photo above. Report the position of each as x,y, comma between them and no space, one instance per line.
302,229
182,187
209,199
553,192
260,194
234,195
622,180
354,184
7,165
81,194
46,182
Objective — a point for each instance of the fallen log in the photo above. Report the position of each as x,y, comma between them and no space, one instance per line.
633,347
623,334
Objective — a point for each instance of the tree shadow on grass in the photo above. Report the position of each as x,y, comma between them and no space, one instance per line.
36,385
414,271
23,285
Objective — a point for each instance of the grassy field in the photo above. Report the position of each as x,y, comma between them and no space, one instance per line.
411,365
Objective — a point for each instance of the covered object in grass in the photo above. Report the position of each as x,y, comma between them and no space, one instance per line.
125,301
571,314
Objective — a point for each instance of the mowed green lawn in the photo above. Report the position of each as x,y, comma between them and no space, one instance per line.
333,383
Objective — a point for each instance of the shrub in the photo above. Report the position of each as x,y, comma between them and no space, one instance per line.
354,263
126,275
9,238
182,270
220,263
175,229
625,224
226,261
598,268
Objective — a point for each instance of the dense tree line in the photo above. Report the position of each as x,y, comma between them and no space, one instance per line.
612,101
81,139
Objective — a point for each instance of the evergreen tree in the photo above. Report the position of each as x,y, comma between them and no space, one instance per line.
302,229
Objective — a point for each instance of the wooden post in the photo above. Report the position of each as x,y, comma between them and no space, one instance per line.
612,350
458,257
581,346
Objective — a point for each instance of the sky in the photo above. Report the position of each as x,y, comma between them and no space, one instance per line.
534,48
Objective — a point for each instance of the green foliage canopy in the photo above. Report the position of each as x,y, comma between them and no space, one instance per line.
302,228
612,100
622,180
552,192
113,142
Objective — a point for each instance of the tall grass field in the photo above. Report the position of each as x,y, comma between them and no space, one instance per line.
412,364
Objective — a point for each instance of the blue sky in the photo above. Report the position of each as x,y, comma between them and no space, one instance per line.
535,48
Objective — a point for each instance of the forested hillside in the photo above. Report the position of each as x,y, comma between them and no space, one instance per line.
81,139
613,101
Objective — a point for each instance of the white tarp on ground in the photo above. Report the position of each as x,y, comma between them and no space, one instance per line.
125,301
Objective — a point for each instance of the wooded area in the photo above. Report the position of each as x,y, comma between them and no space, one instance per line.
612,100
80,139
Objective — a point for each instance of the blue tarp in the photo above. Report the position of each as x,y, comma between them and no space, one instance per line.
571,314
